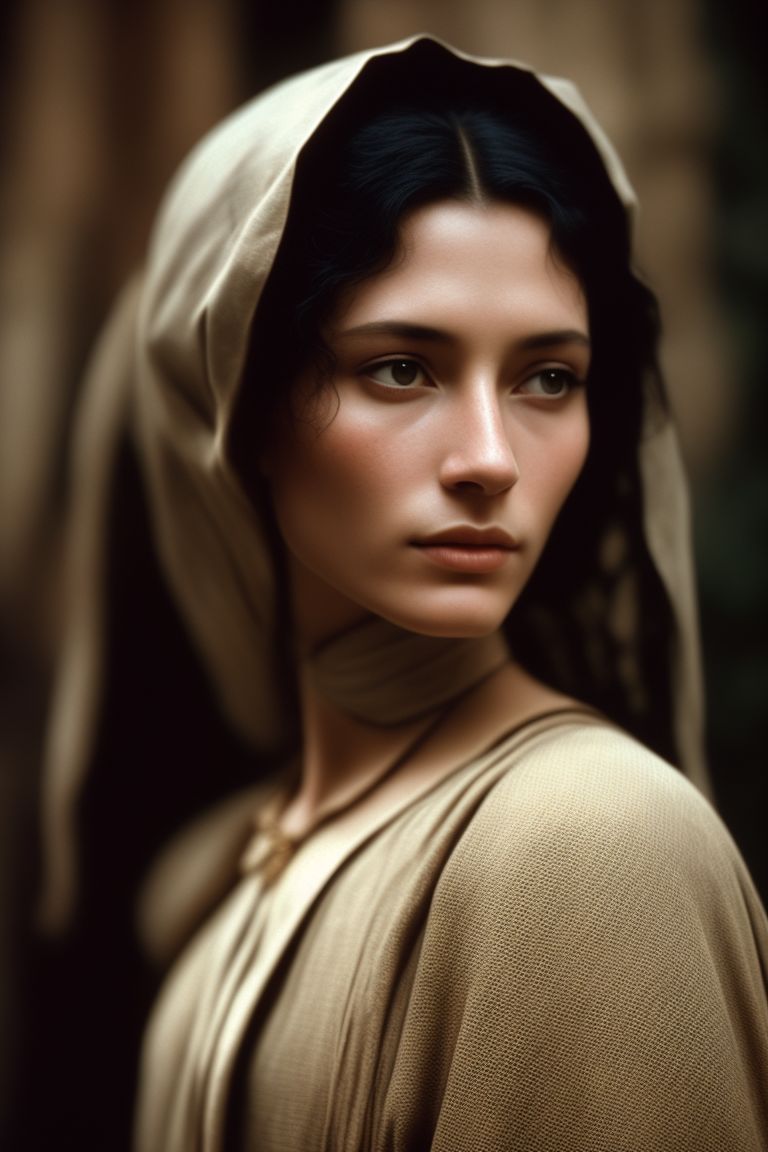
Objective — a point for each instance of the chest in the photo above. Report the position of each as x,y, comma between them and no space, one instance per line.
300,1056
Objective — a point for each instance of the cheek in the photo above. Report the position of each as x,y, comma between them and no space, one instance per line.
330,486
558,465
575,451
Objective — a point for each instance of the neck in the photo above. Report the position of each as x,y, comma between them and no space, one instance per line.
365,696
340,755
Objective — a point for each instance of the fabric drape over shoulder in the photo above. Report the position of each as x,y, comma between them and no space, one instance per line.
555,947
170,368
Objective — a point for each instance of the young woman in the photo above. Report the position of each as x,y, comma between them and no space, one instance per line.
415,491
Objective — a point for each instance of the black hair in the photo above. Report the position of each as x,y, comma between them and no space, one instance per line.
347,212
363,172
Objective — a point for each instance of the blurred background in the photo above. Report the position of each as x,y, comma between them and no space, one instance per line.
100,101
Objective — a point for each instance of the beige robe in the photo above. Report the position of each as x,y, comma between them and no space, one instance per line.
556,947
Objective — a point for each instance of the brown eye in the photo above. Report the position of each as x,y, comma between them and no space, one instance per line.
397,373
554,382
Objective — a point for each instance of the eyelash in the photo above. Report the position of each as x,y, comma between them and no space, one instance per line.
397,361
566,376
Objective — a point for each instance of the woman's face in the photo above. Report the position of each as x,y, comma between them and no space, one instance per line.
423,484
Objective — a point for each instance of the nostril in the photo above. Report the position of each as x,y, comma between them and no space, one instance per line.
469,486
482,486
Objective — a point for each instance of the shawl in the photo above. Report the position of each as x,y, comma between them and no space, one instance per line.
169,368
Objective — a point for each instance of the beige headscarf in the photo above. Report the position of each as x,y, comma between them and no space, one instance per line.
169,366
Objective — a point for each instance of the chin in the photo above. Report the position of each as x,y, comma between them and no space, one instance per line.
457,617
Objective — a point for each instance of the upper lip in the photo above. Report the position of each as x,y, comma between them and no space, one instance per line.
468,535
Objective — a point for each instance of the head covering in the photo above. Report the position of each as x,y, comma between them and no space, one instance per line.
170,365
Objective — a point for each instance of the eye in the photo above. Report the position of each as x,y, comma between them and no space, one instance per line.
550,382
399,373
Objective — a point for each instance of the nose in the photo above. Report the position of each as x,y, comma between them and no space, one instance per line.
481,457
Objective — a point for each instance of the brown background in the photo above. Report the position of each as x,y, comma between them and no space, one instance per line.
100,100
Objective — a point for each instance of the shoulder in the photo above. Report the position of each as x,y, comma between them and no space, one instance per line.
588,817
594,874
592,941
583,779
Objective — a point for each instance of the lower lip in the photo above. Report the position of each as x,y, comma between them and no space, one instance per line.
465,558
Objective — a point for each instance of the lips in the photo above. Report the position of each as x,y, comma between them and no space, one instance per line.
468,549
468,536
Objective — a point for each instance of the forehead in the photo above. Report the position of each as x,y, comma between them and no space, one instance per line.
458,263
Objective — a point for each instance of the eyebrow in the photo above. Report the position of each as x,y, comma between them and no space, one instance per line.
562,336
407,331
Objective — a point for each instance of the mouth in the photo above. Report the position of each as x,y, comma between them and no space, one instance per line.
468,549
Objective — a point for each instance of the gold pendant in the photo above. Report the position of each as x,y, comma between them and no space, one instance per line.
268,853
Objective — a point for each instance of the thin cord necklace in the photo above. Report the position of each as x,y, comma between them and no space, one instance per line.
386,676
271,849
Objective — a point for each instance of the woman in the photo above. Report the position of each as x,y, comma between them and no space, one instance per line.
415,491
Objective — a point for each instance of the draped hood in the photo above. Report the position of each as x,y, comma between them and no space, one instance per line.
169,368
